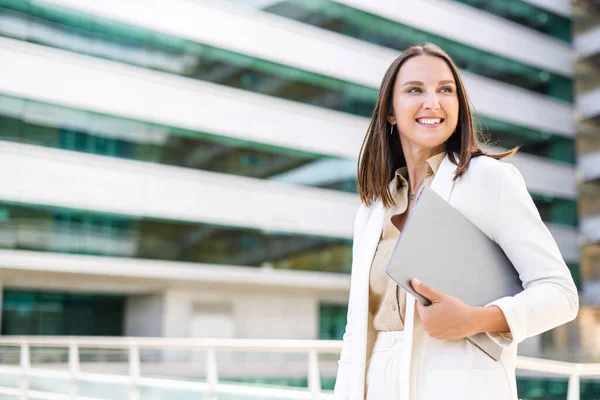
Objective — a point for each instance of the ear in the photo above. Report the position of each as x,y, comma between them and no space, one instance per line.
391,119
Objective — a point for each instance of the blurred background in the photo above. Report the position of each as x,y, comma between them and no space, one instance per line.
186,168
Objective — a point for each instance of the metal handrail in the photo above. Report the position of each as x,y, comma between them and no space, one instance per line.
212,386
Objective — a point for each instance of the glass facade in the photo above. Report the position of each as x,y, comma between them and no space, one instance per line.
42,23
59,230
66,128
57,313
527,14
554,389
348,21
558,211
332,321
42,124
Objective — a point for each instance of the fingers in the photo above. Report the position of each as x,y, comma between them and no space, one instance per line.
425,290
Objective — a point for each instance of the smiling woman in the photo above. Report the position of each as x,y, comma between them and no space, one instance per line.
421,134
421,85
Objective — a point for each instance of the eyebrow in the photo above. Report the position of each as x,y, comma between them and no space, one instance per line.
421,83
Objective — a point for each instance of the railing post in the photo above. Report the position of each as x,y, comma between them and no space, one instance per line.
74,369
134,372
25,362
212,374
314,376
573,391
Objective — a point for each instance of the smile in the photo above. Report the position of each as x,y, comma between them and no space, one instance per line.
430,122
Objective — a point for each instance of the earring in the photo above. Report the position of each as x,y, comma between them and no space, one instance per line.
391,129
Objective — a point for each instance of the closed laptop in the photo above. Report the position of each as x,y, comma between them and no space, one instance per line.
444,250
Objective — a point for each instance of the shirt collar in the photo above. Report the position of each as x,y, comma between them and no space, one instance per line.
433,165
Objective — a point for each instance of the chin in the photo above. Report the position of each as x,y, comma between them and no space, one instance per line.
435,142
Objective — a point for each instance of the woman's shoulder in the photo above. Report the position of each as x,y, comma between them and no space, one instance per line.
485,167
487,177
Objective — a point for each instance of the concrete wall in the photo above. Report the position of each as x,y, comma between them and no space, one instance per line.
255,315
144,315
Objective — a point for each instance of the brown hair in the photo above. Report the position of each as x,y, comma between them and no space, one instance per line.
381,153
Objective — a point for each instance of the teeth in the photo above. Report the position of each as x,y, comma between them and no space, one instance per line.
429,121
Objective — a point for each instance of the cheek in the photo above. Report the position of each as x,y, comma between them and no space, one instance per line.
452,109
405,112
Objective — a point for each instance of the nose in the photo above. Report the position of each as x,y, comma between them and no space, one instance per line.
431,101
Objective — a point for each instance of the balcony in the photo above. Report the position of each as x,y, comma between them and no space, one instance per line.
590,228
587,44
588,104
590,165
57,367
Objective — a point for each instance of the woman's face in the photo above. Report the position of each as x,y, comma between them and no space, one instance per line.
425,103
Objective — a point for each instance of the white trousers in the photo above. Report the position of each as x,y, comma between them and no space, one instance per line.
383,368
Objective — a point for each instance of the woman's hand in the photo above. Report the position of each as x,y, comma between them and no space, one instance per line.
447,318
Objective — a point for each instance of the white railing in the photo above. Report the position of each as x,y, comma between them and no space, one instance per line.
212,387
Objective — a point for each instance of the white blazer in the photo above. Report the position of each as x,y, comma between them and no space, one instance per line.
493,196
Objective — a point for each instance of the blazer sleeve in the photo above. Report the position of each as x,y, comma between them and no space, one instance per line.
549,298
342,382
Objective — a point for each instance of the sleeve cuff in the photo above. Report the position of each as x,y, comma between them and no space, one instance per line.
503,339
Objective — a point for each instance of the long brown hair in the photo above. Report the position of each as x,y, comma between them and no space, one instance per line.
381,153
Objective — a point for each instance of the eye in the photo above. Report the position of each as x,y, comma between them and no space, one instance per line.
410,90
450,90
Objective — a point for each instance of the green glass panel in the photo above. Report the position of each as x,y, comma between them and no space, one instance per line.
59,313
528,15
557,210
328,14
554,389
532,141
332,321
576,273
60,230
46,24
128,44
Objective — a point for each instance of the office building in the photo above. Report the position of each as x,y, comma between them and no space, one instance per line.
187,168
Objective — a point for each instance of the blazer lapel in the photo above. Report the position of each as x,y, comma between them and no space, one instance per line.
443,182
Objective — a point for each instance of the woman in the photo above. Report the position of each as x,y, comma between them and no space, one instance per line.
422,134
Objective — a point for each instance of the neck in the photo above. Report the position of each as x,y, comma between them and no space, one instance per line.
416,163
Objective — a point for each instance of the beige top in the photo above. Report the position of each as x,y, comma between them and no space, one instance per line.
387,300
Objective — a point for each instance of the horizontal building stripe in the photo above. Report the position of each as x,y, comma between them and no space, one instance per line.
590,229
211,21
588,104
73,180
458,22
169,272
131,92
316,50
39,73
39,22
545,176
589,165
568,241
587,44
105,184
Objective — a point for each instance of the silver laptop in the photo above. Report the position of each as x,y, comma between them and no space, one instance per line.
444,250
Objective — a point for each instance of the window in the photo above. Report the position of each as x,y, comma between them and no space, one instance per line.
60,313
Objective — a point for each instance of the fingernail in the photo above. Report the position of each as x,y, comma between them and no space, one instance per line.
416,281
